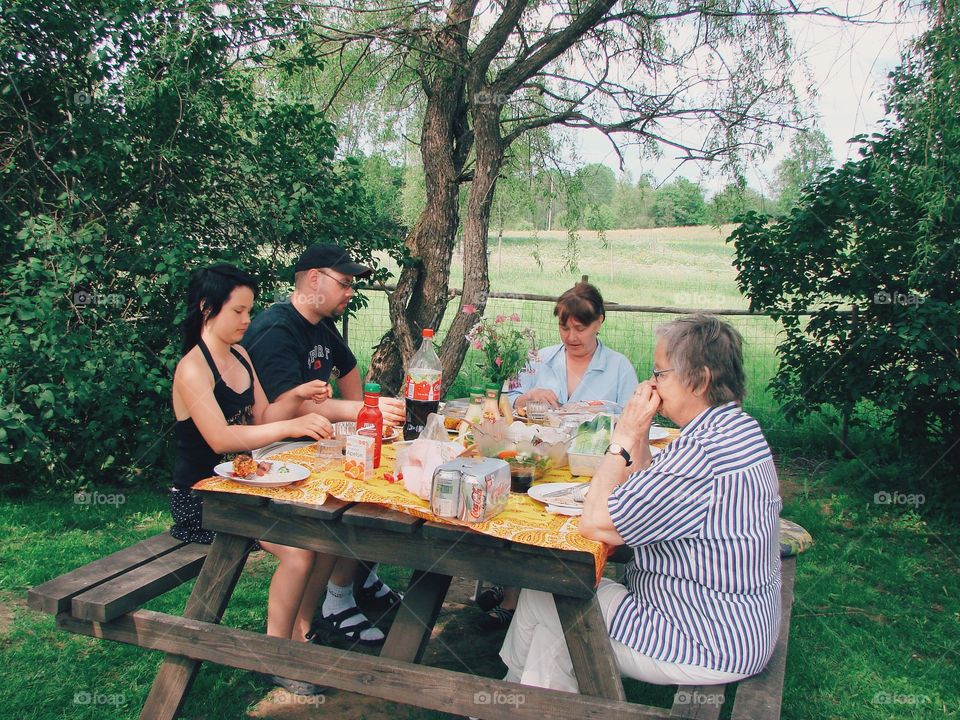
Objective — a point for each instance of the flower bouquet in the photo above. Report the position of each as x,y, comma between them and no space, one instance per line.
507,346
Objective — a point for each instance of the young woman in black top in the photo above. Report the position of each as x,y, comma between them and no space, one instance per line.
221,408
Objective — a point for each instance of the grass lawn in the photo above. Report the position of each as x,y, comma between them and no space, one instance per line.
874,631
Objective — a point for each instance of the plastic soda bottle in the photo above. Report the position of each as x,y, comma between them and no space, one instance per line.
422,387
370,419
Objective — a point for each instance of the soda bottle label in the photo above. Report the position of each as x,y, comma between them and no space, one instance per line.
423,385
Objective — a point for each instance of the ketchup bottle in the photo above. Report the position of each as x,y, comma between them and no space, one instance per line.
370,419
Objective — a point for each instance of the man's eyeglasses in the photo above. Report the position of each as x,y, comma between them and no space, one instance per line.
658,373
342,283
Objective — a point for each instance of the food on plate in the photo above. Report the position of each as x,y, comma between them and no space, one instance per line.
451,422
244,465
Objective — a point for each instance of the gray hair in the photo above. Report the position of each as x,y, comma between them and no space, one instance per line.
700,342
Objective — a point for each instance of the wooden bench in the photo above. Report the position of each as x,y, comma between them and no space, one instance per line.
95,599
114,585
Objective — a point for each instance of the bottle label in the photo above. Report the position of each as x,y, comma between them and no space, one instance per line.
423,385
368,429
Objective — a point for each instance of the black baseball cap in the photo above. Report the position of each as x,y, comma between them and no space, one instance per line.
333,257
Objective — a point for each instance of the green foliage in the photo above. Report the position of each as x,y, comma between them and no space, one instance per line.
735,200
810,153
136,150
679,203
878,234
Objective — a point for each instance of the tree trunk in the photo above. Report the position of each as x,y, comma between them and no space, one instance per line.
445,142
476,278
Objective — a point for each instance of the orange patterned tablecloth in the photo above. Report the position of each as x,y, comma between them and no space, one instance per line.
524,520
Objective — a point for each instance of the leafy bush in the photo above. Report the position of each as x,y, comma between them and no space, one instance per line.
137,147
878,234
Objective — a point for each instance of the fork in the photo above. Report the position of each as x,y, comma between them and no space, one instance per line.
564,491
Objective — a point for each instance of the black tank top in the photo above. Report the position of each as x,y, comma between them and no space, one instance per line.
195,458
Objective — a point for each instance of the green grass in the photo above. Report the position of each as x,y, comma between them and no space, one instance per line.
875,617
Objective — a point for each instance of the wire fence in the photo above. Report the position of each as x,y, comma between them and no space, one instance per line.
628,329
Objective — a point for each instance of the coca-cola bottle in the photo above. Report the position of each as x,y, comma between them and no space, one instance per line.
423,387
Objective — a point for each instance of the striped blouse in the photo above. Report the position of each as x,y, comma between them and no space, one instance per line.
703,524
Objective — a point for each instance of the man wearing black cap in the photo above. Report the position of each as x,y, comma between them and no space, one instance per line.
294,342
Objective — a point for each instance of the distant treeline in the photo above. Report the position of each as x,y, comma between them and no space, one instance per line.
589,198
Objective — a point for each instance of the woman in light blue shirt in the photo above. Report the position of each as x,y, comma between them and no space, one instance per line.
580,367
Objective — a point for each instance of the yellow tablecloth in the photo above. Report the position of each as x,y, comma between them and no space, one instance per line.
524,520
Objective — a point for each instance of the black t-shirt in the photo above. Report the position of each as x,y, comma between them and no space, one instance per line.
287,350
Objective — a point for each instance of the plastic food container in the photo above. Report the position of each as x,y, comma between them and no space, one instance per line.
583,464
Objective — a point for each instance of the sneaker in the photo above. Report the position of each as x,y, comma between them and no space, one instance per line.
297,687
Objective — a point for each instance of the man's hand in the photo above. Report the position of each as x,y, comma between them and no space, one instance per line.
316,390
394,410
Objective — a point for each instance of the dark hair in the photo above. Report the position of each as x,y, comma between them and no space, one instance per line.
583,302
210,286
698,342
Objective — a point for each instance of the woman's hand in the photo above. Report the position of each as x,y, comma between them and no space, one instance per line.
633,428
537,395
310,425
316,390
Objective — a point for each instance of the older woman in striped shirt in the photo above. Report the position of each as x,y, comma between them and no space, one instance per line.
701,604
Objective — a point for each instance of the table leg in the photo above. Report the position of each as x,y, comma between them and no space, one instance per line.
418,612
207,602
589,645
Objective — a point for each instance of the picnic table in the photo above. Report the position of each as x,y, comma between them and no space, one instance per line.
102,600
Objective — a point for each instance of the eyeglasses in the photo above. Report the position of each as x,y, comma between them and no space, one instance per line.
342,283
658,373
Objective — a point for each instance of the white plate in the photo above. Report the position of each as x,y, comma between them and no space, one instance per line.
658,433
282,473
537,492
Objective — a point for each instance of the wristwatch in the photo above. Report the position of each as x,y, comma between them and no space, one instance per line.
615,449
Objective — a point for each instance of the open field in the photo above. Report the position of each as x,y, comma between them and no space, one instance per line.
688,267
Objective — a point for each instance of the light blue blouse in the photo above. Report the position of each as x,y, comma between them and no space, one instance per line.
610,376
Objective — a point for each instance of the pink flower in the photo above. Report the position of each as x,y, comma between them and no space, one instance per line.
515,317
500,319
499,361
478,345
469,309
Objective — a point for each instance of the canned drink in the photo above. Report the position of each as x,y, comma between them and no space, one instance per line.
445,493
473,498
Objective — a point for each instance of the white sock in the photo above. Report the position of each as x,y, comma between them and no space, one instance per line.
340,598
372,579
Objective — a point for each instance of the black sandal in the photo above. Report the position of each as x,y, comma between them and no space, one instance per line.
367,597
352,633
490,598
497,619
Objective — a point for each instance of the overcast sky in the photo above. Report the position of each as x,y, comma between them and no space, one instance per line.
849,65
